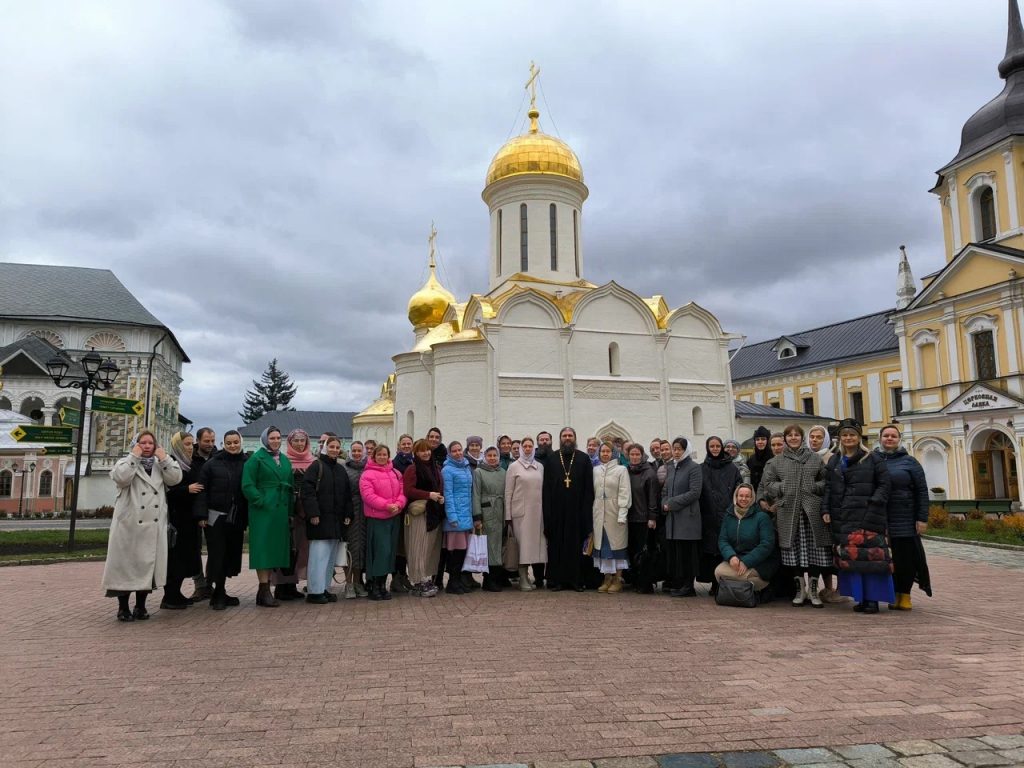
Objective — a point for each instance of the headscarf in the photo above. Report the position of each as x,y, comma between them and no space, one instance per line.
483,458
146,461
300,459
178,450
735,495
826,446
527,461
276,455
721,459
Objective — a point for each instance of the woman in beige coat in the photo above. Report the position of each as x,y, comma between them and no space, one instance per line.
137,546
612,498
524,496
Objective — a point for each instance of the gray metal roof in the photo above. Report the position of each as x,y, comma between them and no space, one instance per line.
745,410
1004,115
314,422
74,294
859,337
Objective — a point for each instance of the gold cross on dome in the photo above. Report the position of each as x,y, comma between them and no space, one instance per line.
432,240
532,84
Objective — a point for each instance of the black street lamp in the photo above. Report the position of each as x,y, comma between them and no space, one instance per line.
99,375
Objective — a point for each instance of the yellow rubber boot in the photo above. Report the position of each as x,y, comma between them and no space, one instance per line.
903,602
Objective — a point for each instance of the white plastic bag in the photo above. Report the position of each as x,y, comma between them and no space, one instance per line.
476,555
342,558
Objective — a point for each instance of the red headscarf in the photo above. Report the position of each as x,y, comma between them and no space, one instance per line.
300,459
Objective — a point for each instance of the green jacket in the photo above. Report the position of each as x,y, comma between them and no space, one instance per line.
751,539
268,487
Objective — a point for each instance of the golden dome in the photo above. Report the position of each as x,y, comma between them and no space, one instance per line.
535,152
428,305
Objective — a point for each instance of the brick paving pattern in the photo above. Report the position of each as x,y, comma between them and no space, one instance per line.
538,678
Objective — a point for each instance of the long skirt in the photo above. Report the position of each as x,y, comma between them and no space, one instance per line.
683,561
804,554
423,548
224,550
357,539
381,546
870,587
299,564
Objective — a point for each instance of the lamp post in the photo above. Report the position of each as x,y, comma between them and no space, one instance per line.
98,375
31,486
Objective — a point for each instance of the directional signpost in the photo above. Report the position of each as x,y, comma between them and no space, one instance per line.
123,405
56,450
27,433
70,418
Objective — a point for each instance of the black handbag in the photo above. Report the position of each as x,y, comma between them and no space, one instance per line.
736,593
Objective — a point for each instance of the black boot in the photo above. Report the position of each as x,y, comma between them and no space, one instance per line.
455,585
382,588
491,581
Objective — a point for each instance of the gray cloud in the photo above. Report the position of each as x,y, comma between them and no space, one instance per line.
263,176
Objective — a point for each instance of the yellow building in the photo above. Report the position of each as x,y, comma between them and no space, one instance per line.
949,368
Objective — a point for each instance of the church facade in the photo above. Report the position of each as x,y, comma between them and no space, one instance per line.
947,361
542,347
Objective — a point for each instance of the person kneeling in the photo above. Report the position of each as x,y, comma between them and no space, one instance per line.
747,542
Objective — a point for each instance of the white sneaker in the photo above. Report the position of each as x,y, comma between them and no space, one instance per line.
801,592
350,592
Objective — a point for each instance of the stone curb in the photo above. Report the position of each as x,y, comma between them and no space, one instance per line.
986,544
53,561
973,752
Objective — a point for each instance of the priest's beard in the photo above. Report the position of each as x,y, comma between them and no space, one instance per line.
542,451
568,446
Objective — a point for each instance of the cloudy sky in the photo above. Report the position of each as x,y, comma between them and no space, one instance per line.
263,175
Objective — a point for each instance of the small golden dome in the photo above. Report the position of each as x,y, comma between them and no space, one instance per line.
535,152
428,305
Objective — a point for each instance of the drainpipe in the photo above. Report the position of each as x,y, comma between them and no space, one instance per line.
149,380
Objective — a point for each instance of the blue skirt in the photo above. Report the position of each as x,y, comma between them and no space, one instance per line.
606,552
874,587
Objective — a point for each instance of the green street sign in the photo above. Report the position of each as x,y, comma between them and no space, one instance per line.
26,433
117,405
56,450
70,418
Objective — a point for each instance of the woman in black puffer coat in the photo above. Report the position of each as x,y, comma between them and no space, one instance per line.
222,510
856,507
908,517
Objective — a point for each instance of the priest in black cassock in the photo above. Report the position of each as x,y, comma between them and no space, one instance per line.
568,512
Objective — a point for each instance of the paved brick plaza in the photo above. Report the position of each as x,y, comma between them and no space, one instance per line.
495,678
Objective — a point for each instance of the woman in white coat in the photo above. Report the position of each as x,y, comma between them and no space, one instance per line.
612,498
524,491
137,547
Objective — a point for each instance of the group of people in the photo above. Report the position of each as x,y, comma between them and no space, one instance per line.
797,512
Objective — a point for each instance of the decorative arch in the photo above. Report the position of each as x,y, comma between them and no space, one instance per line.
623,294
982,197
697,415
920,340
46,334
614,364
536,299
105,341
933,453
694,311
977,438
5,404
614,429
983,357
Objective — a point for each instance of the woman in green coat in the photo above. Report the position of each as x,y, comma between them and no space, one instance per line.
267,484
489,514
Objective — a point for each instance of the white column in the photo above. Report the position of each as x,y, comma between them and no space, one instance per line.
1011,189
954,212
952,348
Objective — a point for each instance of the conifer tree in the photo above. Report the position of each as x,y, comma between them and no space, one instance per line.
272,392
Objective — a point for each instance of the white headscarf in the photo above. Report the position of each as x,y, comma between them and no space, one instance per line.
826,447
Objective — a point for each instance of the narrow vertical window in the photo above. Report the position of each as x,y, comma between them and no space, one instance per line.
553,215
698,420
857,406
6,484
497,251
984,355
576,239
987,209
524,260
613,359
46,483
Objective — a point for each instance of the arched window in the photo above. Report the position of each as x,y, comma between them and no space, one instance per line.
698,420
553,216
5,404
987,213
6,483
613,359
524,260
45,483
984,355
410,423
497,246
576,239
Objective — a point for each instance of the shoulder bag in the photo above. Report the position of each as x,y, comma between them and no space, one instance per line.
736,593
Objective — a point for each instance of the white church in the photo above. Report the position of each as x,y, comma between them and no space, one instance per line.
543,347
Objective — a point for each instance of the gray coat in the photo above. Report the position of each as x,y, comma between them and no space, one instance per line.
795,482
489,507
681,494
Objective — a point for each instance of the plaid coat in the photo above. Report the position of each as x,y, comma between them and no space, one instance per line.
795,481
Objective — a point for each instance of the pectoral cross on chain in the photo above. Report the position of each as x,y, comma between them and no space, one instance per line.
568,482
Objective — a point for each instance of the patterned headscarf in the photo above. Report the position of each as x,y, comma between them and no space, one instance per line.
146,461
300,459
276,455
183,457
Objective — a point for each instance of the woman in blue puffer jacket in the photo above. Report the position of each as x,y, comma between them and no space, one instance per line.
458,510
908,517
